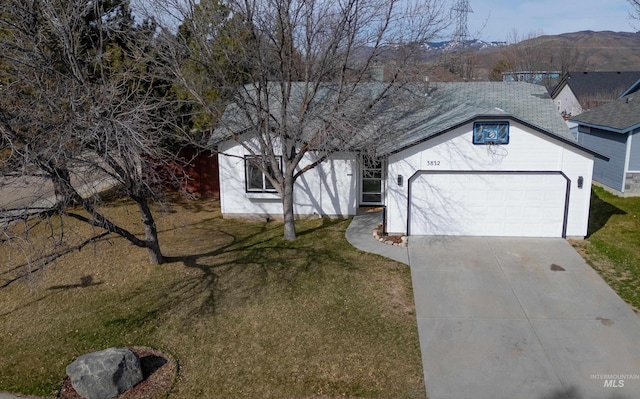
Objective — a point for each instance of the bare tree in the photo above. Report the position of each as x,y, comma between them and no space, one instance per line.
635,13
570,58
498,69
525,55
595,100
299,72
461,62
528,58
79,98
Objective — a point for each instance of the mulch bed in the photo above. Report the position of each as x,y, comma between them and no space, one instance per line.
159,372
387,239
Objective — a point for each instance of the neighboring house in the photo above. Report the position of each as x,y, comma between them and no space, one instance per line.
614,130
537,77
580,91
489,159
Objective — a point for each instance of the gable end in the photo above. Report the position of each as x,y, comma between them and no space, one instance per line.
500,118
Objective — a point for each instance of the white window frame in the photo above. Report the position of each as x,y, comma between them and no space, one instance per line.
364,176
251,167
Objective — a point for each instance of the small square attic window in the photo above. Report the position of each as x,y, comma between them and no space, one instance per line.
491,133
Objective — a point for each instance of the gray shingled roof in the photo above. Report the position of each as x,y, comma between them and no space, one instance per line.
416,117
451,104
585,85
237,116
620,116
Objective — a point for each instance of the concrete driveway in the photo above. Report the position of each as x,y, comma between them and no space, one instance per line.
520,318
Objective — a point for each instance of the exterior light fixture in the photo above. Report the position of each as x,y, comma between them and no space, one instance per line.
400,180
580,181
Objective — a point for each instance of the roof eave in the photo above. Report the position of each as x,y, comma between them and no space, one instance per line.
623,130
216,139
631,89
496,117
559,86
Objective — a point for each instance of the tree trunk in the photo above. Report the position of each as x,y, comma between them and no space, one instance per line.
64,192
61,183
287,209
150,232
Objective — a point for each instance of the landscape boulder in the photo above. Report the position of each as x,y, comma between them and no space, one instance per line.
105,374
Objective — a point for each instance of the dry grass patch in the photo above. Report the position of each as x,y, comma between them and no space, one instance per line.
244,313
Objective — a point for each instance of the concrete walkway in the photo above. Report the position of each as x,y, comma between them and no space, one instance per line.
28,195
515,318
360,235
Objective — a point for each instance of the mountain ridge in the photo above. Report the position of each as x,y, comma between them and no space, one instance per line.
594,51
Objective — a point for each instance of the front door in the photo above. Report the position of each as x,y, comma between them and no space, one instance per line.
371,181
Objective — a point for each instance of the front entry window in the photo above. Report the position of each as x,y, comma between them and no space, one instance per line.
372,182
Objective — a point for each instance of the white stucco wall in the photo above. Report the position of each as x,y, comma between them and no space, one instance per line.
528,150
327,190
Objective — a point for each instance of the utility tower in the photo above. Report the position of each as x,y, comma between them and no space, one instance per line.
459,11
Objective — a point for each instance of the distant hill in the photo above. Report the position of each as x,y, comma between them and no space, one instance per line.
481,60
604,51
598,51
593,51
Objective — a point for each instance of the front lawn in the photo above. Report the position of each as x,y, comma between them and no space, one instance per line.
244,313
613,245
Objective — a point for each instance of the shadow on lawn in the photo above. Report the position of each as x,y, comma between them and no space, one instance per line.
85,281
249,264
600,212
250,260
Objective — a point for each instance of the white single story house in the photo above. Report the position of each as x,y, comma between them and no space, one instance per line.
478,159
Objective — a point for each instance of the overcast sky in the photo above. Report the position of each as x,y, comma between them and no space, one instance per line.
550,17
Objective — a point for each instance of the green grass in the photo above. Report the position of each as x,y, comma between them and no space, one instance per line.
613,245
244,313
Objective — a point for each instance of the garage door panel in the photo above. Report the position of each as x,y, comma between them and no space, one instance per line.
514,214
516,195
509,204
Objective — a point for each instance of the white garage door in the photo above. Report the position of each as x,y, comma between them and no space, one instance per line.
482,204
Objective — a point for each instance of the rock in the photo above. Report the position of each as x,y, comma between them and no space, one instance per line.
105,374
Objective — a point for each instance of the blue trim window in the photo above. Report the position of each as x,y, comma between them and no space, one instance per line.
255,180
491,133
